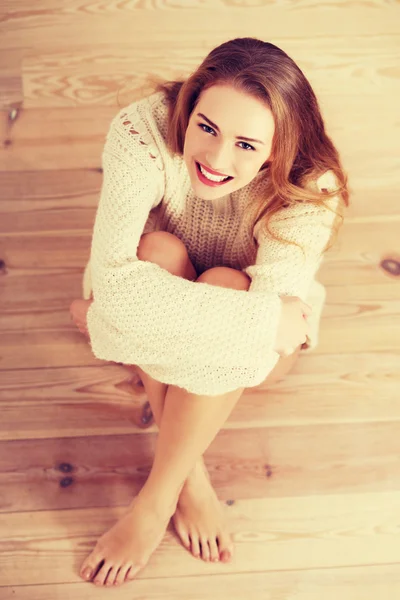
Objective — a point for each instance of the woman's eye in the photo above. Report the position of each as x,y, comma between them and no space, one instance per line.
246,144
201,125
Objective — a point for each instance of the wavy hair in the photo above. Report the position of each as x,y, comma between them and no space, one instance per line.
301,149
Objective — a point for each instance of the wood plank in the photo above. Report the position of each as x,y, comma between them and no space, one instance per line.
243,463
56,25
11,95
23,193
40,300
90,401
55,138
76,402
348,583
48,349
270,534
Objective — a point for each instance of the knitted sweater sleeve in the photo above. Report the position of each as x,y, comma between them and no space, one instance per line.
289,269
141,313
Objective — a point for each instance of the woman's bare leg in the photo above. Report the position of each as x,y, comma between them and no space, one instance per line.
189,424
199,514
158,478
168,252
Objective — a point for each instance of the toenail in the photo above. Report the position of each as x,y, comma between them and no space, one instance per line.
87,573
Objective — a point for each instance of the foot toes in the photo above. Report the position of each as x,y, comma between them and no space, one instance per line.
183,534
195,546
90,566
214,552
225,556
205,549
121,577
225,547
110,579
86,573
133,571
102,574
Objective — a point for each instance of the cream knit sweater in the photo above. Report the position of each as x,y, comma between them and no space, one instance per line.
204,338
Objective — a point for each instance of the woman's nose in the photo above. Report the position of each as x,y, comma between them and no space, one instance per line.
220,158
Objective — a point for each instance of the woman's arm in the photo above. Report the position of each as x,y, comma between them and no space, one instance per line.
204,338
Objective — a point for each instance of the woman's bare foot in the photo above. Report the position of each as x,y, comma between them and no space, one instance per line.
78,311
199,519
126,548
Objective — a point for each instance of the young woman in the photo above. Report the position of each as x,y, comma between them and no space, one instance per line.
220,195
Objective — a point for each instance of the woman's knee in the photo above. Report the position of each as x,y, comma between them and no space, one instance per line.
226,277
164,249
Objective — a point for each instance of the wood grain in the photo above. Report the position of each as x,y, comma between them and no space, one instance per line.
274,461
270,534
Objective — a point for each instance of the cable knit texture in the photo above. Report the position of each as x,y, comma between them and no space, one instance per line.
203,338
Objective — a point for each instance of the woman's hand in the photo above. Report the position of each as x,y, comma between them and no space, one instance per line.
293,327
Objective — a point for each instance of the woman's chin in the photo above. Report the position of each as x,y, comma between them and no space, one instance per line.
210,193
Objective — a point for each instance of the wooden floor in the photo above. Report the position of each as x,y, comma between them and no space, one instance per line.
308,470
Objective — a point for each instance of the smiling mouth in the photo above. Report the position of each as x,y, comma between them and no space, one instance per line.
210,182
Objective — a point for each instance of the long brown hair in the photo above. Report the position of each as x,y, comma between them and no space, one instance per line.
301,149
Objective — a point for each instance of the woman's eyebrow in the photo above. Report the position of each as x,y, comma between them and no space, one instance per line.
238,137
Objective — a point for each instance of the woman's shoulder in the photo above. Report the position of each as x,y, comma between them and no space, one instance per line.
148,114
327,182
137,127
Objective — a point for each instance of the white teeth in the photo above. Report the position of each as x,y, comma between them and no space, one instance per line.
212,177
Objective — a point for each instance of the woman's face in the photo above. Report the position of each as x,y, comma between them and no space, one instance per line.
213,141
